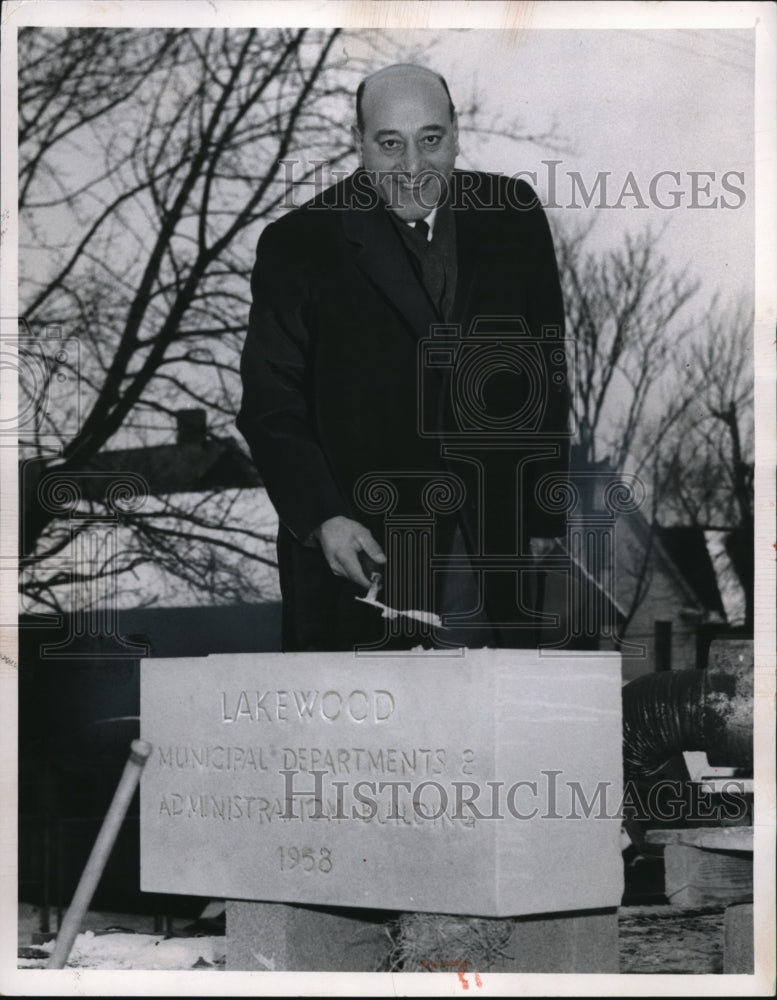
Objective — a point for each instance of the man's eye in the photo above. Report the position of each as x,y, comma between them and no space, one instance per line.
390,145
432,140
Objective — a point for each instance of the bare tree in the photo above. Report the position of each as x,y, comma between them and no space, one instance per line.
68,79
626,311
703,474
665,395
149,162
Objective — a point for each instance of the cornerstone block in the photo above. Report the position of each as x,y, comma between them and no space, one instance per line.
487,783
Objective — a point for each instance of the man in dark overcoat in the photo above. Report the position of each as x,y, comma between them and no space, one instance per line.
405,396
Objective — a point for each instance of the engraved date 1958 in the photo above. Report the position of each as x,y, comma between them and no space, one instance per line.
306,859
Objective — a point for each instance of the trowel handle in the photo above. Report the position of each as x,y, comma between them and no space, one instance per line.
139,754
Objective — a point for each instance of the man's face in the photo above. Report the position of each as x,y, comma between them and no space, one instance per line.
409,141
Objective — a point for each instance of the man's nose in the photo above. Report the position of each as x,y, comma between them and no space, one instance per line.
414,161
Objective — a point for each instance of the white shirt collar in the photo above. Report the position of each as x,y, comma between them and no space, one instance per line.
429,220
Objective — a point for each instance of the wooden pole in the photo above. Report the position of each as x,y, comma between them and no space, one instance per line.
139,753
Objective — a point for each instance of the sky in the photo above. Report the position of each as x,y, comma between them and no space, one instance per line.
620,101
622,106
666,114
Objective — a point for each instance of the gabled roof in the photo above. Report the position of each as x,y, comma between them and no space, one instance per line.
681,551
196,462
687,549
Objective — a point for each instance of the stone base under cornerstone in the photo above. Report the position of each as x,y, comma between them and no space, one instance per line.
284,938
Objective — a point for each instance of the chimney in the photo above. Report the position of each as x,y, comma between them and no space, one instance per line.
192,426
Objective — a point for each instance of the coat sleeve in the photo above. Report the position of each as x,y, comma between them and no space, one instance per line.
276,412
546,319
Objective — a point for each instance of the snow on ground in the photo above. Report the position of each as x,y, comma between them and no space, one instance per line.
137,951
112,941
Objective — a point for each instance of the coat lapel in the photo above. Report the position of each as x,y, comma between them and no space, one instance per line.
472,245
468,240
379,253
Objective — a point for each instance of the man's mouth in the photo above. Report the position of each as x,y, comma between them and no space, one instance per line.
412,189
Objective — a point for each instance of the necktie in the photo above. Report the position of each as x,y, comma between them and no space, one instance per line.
422,228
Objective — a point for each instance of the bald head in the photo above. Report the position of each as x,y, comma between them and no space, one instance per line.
407,137
401,80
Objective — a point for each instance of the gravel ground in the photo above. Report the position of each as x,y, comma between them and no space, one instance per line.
670,939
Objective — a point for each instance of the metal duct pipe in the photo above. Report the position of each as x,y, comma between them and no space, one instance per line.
667,713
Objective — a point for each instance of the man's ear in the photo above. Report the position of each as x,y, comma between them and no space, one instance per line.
357,141
455,120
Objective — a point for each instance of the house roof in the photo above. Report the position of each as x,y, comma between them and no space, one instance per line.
197,461
210,464
687,549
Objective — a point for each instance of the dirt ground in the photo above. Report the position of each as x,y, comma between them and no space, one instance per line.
653,939
671,939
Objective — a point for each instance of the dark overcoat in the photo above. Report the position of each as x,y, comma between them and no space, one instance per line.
350,372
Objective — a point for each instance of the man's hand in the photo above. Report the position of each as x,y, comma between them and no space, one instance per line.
341,541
